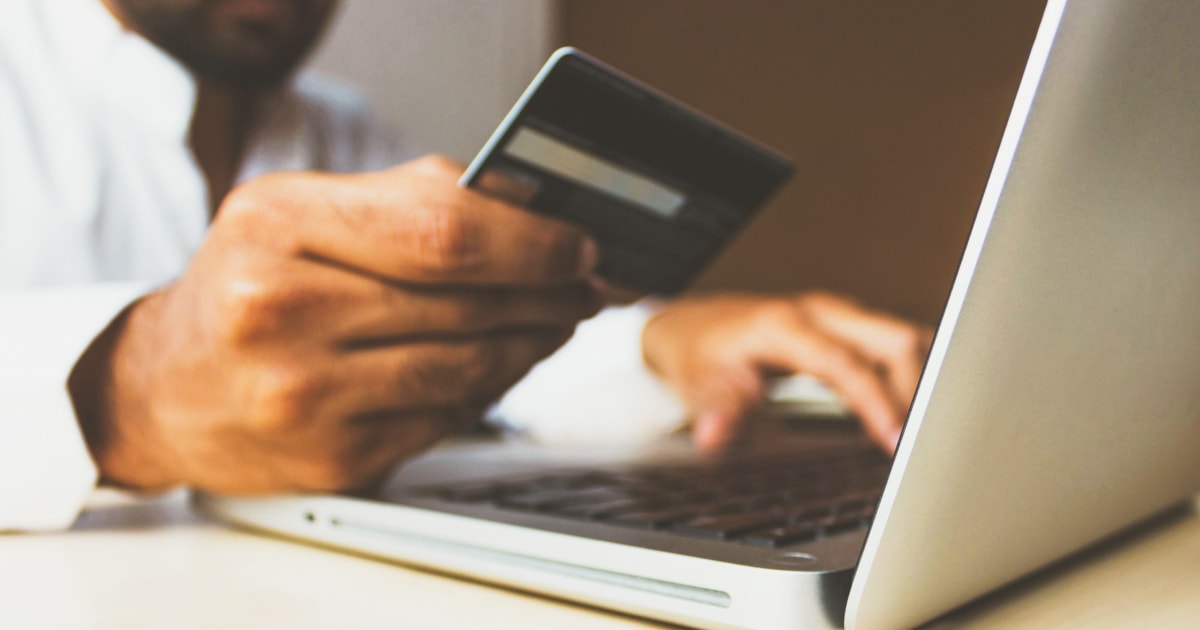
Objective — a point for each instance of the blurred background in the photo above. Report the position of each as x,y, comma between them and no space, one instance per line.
891,110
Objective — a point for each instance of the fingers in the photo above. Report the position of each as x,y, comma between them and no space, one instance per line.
806,349
439,373
724,399
897,346
309,301
409,224
398,313
717,352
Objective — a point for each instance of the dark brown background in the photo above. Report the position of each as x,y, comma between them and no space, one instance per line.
891,109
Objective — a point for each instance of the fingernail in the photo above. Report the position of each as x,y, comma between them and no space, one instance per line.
599,285
894,438
707,432
589,256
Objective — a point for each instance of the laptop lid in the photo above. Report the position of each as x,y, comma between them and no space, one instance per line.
1061,401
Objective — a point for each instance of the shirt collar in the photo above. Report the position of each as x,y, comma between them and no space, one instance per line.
119,68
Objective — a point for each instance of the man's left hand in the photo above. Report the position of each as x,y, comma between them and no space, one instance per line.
719,353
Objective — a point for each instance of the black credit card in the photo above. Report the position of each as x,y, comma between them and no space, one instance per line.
661,187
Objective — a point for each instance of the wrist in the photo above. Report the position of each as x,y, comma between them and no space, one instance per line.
105,390
651,341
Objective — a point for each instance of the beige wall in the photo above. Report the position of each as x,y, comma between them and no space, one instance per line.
444,72
892,111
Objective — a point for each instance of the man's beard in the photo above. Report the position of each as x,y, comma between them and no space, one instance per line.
240,44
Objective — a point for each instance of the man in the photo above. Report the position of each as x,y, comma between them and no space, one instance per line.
323,327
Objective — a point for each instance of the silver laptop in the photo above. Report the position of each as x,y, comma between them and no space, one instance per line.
1060,402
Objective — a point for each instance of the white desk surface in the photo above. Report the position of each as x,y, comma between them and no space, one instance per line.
154,564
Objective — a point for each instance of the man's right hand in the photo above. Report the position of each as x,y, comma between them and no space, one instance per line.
328,327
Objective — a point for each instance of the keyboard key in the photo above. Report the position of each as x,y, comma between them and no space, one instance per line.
782,535
474,493
582,479
808,512
536,500
598,511
727,526
832,525
653,519
593,496
841,527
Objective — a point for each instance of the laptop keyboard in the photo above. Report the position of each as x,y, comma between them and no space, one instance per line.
774,502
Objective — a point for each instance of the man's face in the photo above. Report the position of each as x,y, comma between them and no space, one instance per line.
243,43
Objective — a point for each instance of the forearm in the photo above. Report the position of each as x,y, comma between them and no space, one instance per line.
126,453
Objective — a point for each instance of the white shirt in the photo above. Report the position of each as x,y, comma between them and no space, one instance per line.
101,201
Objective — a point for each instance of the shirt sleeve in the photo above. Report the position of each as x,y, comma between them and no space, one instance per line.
46,472
596,388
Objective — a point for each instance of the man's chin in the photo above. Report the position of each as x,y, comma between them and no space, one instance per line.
266,11
245,69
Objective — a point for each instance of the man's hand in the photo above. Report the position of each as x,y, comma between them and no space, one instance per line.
329,326
719,353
